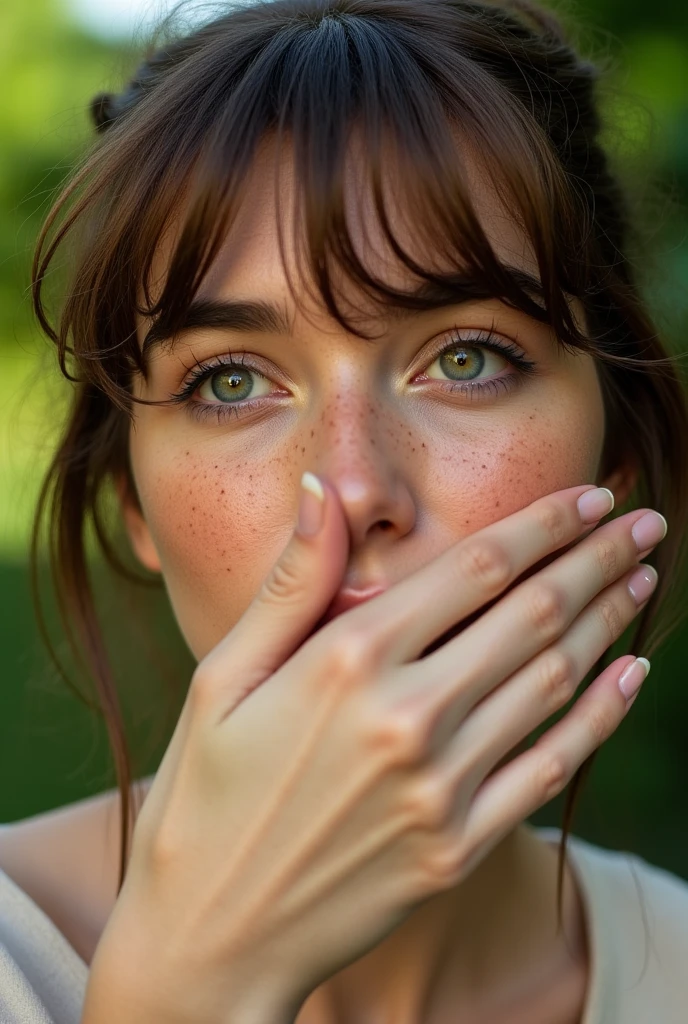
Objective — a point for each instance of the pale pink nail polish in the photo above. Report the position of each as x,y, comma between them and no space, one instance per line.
633,677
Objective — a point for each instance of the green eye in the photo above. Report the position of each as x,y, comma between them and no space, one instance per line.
233,384
465,362
462,363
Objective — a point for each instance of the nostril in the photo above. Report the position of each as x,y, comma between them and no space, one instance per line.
385,524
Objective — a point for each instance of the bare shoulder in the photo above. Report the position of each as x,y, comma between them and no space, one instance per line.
67,861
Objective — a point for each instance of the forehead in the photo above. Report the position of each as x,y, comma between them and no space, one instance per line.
250,263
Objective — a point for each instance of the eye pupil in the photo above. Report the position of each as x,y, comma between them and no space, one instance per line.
232,384
458,359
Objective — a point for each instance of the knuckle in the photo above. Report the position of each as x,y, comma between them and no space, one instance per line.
484,562
611,618
558,678
286,581
349,654
553,520
402,737
551,775
428,802
442,865
608,559
372,636
599,723
546,609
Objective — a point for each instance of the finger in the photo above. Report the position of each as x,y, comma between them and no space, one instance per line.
294,595
535,777
473,571
545,685
524,622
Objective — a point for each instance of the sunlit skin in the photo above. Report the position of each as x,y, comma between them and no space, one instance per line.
417,467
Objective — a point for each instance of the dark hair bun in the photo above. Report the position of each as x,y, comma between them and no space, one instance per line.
101,110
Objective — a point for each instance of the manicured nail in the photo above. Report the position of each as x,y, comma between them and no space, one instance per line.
311,505
649,530
593,505
642,583
633,677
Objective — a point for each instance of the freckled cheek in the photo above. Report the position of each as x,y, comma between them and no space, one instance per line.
218,530
504,473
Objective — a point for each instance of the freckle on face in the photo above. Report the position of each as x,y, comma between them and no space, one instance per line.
221,514
234,523
514,475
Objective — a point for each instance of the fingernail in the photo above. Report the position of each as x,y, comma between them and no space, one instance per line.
642,583
633,677
311,505
649,530
593,505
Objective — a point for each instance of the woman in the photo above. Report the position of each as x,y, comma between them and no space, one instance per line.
363,266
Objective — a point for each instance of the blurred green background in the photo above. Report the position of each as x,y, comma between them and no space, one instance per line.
56,54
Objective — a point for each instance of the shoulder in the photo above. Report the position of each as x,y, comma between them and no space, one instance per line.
655,893
637,916
42,977
612,873
658,899
66,861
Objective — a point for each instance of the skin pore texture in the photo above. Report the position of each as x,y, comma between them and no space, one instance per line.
418,467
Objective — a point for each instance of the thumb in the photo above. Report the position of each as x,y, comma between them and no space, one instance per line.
292,598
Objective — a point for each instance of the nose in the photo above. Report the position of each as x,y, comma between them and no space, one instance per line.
357,448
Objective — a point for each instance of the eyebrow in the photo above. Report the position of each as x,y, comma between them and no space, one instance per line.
258,316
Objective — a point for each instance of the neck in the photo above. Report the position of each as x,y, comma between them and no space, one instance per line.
486,950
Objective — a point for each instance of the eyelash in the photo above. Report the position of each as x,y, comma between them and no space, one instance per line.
480,339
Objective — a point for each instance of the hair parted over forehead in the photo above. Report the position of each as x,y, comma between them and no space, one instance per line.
429,87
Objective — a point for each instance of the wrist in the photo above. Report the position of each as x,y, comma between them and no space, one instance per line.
113,1002
131,987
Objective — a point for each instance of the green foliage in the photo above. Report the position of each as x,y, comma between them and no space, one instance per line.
48,72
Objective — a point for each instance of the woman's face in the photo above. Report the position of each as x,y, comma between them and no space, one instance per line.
419,462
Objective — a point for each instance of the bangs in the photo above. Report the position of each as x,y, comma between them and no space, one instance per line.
379,96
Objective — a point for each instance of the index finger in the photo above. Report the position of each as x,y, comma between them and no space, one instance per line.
420,608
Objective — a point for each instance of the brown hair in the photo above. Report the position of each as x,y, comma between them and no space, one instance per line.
406,72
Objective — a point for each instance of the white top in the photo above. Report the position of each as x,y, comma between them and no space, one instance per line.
638,949
638,929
